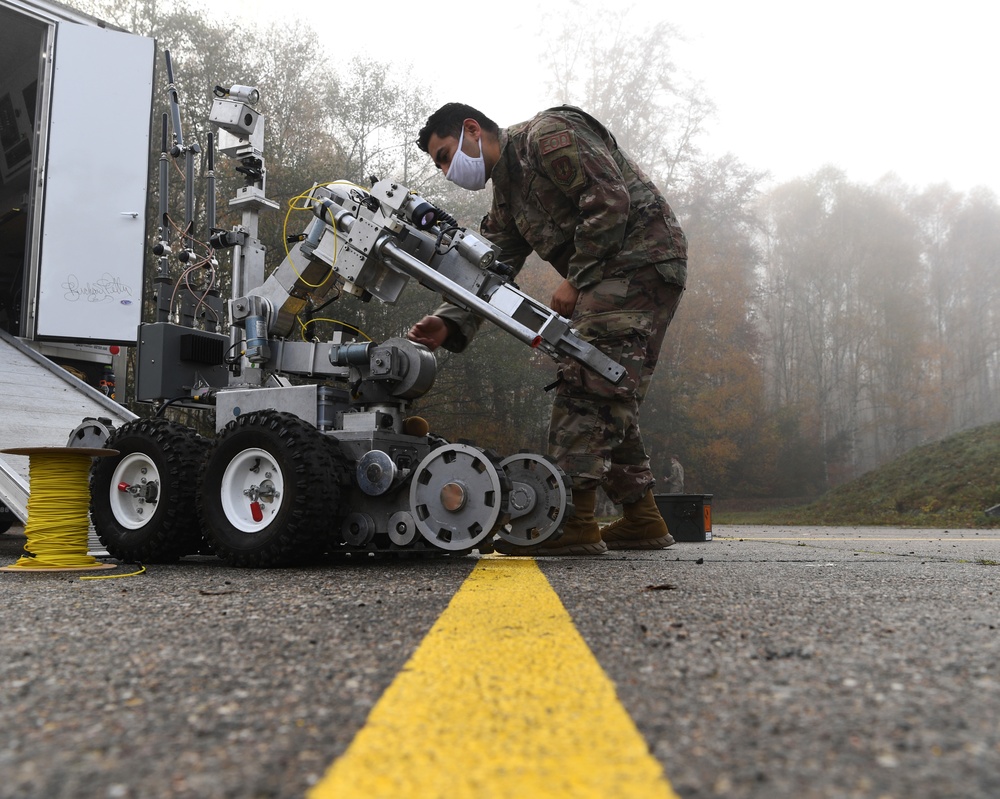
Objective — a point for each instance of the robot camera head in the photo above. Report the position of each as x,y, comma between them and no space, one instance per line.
232,110
245,94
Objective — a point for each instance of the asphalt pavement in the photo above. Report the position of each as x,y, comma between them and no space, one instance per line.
770,662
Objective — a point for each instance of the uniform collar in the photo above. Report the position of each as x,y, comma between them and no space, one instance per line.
501,170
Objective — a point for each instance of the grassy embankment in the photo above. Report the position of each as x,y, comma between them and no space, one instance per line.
949,483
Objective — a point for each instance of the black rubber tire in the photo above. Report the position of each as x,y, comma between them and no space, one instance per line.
305,523
172,530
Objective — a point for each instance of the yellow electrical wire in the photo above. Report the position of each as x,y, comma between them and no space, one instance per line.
58,514
284,235
142,570
307,196
304,325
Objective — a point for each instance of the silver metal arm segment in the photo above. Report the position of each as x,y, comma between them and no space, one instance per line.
511,310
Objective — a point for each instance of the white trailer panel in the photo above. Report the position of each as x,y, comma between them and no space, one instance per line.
93,223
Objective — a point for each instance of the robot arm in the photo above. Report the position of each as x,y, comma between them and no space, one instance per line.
373,242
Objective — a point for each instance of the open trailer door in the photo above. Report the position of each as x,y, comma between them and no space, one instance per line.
94,182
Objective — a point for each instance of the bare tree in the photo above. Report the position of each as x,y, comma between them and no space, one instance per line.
371,111
624,74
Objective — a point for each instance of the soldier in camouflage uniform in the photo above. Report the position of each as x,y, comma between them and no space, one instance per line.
675,480
564,189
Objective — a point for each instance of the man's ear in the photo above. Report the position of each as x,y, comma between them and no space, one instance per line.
472,129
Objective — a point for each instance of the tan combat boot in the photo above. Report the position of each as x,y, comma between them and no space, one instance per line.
581,533
641,528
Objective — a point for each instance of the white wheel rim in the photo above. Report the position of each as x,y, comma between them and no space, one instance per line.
252,477
130,511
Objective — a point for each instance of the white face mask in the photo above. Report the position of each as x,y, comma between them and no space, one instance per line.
466,171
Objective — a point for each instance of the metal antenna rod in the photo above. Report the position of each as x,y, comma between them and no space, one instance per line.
210,178
175,108
180,149
162,247
164,194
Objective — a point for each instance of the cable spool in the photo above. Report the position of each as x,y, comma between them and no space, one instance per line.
58,509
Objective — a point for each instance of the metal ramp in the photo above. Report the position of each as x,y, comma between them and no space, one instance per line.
40,405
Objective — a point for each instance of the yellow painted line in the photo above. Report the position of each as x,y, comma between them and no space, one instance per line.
503,698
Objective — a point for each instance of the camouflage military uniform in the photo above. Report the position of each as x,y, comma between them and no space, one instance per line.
563,188
675,480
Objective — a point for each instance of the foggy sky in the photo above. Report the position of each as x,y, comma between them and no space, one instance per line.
869,86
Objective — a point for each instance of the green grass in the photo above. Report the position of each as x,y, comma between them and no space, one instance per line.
949,483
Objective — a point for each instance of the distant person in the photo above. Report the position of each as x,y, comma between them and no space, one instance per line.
563,188
675,481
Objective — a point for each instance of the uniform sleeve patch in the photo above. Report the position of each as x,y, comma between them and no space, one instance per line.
555,141
564,170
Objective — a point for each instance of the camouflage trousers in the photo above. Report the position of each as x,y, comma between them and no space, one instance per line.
594,429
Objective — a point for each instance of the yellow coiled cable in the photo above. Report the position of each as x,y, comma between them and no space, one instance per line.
58,508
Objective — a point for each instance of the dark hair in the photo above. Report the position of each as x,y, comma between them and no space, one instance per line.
447,121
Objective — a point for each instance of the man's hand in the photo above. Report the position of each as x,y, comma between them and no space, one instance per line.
431,331
564,299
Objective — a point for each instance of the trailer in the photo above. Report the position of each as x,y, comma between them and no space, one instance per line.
75,108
